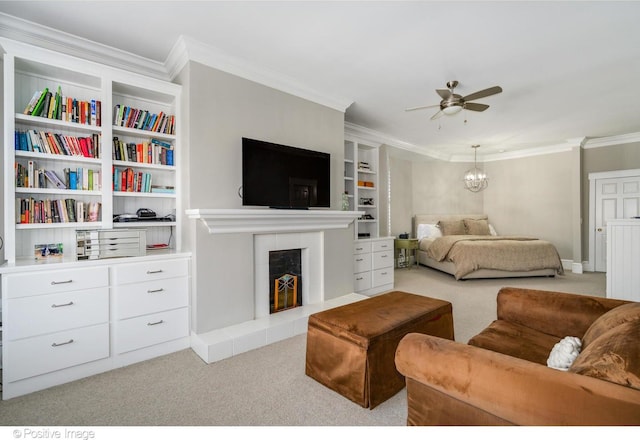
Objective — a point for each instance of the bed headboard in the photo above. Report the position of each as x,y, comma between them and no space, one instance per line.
435,218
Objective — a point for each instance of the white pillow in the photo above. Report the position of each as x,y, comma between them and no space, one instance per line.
428,231
492,230
564,353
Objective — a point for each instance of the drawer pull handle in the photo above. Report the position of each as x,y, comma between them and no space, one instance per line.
383,246
359,249
383,256
55,344
53,283
155,323
359,279
149,272
359,259
383,273
155,290
70,303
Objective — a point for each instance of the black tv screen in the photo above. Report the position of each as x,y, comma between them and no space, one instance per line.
280,176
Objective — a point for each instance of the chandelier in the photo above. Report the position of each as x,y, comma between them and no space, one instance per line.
475,179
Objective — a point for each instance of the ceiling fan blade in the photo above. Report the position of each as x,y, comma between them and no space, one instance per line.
475,106
421,107
437,115
444,93
483,93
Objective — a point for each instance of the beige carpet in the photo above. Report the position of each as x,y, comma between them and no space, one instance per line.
264,387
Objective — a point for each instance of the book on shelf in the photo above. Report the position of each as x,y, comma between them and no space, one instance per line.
164,189
56,143
30,211
54,179
64,108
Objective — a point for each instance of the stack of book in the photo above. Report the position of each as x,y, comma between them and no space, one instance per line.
30,210
129,180
55,143
156,152
125,116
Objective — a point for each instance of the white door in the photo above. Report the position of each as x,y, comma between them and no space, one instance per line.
615,198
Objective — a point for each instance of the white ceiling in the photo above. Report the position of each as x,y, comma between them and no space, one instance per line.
569,70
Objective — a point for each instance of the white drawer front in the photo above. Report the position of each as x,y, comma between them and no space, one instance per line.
382,245
43,354
362,281
148,330
151,297
150,270
361,263
382,259
362,248
382,276
37,315
36,283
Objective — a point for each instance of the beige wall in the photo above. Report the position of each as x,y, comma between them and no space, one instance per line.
595,160
223,108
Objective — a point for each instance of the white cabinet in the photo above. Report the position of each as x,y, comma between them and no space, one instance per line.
361,186
623,259
44,332
151,303
373,265
88,317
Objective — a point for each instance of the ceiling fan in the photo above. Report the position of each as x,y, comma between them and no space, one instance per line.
452,103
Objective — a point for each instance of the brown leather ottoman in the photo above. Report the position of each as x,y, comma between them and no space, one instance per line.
351,348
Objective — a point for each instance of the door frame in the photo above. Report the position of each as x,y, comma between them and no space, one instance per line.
590,266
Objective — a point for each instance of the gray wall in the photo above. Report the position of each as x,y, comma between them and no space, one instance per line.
223,108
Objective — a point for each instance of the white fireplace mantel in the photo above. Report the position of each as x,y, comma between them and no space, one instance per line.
258,221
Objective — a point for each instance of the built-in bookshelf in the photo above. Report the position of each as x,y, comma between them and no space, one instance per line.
65,119
361,186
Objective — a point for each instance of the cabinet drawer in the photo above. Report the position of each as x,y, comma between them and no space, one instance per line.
52,281
37,315
383,245
362,281
150,270
43,354
382,276
362,248
148,330
151,297
361,262
382,259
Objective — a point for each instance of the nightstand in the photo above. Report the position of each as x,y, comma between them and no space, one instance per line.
404,245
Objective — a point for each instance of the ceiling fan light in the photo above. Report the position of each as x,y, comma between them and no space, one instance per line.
452,110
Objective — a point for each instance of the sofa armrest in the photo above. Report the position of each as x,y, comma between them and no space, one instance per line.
555,313
511,389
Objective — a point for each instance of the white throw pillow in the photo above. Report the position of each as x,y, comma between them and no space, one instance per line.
564,353
428,231
492,230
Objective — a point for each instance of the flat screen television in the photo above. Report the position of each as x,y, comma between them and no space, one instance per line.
281,176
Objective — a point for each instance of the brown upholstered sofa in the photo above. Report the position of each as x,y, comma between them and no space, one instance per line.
501,376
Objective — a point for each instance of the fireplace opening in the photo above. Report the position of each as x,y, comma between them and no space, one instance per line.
285,279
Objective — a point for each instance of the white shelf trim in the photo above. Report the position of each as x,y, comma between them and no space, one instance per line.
257,221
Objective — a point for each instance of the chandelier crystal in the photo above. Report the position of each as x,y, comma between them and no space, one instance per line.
475,179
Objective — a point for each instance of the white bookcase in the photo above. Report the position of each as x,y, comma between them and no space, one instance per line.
66,319
28,69
361,186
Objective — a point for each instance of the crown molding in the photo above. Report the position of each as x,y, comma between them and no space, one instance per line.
187,49
612,140
27,32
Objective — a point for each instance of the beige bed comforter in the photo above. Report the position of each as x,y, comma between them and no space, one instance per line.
510,253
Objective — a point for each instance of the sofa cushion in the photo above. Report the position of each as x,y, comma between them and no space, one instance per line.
516,340
609,320
614,356
452,227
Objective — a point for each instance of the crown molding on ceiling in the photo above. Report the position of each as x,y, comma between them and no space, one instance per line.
34,34
612,140
187,49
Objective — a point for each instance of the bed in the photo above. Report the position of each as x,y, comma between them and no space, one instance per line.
468,247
